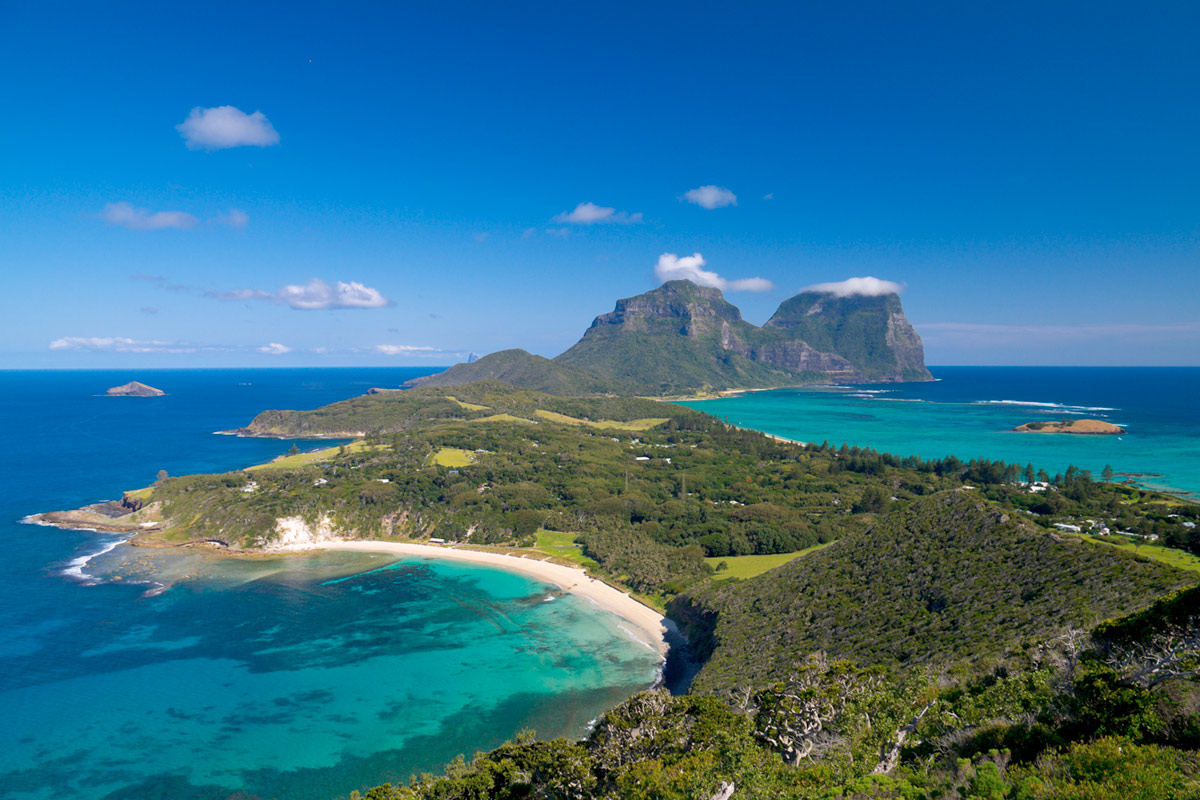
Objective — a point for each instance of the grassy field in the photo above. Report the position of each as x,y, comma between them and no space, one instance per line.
749,566
453,457
562,546
1167,555
631,425
468,406
305,459
502,418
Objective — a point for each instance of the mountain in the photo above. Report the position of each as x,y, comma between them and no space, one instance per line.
680,338
950,582
676,338
868,331
519,368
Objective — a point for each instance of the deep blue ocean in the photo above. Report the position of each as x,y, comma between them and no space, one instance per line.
970,412
299,676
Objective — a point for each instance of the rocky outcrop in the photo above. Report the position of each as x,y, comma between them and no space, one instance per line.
134,389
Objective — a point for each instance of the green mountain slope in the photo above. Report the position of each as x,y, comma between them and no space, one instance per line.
951,582
520,368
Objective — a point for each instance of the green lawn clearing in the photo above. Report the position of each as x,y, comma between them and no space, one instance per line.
306,459
453,457
1167,555
632,425
468,406
749,566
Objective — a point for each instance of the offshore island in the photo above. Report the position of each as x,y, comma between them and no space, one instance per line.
1086,427
862,624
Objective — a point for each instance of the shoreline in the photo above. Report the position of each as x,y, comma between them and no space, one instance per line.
656,628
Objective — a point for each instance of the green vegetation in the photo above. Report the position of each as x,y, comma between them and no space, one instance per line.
452,457
519,368
749,566
950,583
297,460
631,425
1180,559
468,406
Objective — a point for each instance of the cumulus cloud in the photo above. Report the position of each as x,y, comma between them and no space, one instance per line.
118,344
275,349
226,126
671,267
403,349
316,294
126,215
234,218
590,214
711,197
868,287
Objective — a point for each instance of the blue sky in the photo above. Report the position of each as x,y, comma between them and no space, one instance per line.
1030,173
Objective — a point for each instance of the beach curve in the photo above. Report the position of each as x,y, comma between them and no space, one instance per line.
575,580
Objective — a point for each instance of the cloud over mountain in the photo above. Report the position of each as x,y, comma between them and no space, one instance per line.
868,287
671,267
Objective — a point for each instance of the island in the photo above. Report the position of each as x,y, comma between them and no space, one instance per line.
134,389
1091,427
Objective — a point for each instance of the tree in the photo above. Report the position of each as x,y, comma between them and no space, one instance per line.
1030,476
294,450
1107,474
162,475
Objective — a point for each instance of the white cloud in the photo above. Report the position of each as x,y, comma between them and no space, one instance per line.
480,237
403,349
226,126
671,267
711,197
769,196
234,218
126,215
118,344
590,213
316,294
869,287
275,349
562,233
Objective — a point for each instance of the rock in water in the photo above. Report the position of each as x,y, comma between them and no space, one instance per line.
134,389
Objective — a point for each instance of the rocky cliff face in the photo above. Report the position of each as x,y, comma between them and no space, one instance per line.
686,336
871,333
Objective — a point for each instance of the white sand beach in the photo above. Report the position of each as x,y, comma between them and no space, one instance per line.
647,622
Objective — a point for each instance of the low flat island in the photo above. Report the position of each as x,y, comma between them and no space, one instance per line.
1085,426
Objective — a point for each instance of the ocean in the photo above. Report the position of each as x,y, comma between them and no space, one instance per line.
298,676
970,412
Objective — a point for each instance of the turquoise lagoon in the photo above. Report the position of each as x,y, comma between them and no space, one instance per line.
128,673
969,412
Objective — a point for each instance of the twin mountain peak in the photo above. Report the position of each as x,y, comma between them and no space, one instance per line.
683,338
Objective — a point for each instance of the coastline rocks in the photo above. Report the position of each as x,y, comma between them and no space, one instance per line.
134,389
1083,426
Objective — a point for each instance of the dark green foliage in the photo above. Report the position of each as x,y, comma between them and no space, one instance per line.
951,580
523,369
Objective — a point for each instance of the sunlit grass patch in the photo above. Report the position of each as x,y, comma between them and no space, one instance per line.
631,425
453,457
468,406
307,459
749,566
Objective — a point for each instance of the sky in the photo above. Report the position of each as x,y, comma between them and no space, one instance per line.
258,184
